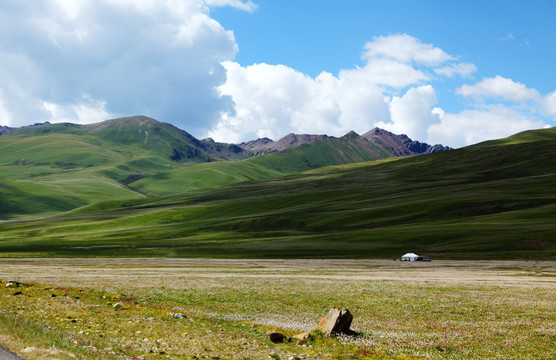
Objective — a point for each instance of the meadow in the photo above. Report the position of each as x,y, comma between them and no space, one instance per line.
476,203
159,308
137,187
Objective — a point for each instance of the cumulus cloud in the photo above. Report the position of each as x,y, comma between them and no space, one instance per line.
462,69
386,72
4,115
388,90
503,107
412,114
549,103
87,60
498,87
475,125
248,6
273,100
85,112
393,89
404,48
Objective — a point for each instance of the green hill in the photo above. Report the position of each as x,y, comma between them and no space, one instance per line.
524,137
494,201
49,168
348,149
57,167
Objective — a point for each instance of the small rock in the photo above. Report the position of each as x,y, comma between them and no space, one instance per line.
18,293
302,338
178,315
336,322
277,337
118,305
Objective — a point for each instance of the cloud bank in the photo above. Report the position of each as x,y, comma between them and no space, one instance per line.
89,60
393,90
84,61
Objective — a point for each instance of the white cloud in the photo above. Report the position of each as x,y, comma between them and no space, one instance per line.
4,114
83,61
248,6
498,87
412,114
386,72
273,100
475,125
405,48
85,112
391,90
158,58
549,103
462,69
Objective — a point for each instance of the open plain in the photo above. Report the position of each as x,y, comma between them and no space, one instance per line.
226,309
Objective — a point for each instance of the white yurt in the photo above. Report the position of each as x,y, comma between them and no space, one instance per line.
409,257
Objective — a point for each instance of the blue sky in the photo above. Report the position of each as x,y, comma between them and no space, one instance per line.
450,72
311,36
513,39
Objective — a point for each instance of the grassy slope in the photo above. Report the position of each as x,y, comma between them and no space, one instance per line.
348,149
58,167
479,202
56,172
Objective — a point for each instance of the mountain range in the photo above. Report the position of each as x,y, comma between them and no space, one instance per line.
138,187
398,145
401,145
140,156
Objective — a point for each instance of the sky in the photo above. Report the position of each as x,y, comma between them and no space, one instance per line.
442,72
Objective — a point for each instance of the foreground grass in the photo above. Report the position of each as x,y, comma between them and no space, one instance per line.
452,310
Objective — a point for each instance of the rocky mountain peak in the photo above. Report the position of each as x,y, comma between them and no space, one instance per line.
401,145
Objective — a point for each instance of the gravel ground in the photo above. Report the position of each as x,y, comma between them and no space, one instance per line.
6,354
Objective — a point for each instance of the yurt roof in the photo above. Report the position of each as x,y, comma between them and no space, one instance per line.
410,255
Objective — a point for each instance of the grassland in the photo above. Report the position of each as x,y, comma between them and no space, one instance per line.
486,202
53,168
440,310
348,149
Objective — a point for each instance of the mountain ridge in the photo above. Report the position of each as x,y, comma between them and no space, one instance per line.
402,145
265,145
209,150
